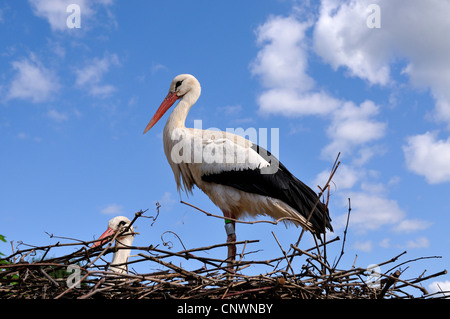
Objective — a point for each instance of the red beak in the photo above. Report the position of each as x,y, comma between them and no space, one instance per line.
165,105
107,233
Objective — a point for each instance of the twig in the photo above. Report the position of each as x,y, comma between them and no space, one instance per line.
345,234
273,222
171,276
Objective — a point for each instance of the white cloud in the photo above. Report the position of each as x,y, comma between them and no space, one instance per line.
421,242
54,11
22,136
233,110
25,136
372,209
427,156
371,212
385,243
32,81
90,76
365,246
157,67
167,201
57,116
353,126
342,38
291,102
345,177
282,61
412,225
440,286
281,65
112,209
366,152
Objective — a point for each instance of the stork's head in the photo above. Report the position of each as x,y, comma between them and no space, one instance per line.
115,225
183,86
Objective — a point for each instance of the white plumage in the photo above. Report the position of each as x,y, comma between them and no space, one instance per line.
120,257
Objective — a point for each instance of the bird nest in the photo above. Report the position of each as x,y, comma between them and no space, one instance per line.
85,274
297,273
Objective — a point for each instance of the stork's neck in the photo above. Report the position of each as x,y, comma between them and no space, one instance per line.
178,117
121,255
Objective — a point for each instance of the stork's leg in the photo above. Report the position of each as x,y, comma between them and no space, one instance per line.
231,238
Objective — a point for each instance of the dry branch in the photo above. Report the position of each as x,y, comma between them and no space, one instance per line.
20,278
174,276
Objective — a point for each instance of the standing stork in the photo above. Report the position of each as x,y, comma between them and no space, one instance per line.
239,177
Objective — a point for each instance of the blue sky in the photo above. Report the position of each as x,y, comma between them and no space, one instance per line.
74,103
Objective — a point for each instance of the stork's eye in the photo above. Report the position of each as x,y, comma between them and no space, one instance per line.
178,84
122,223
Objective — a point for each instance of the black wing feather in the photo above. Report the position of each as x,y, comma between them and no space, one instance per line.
281,185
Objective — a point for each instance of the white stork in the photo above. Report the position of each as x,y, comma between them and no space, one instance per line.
120,257
240,177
